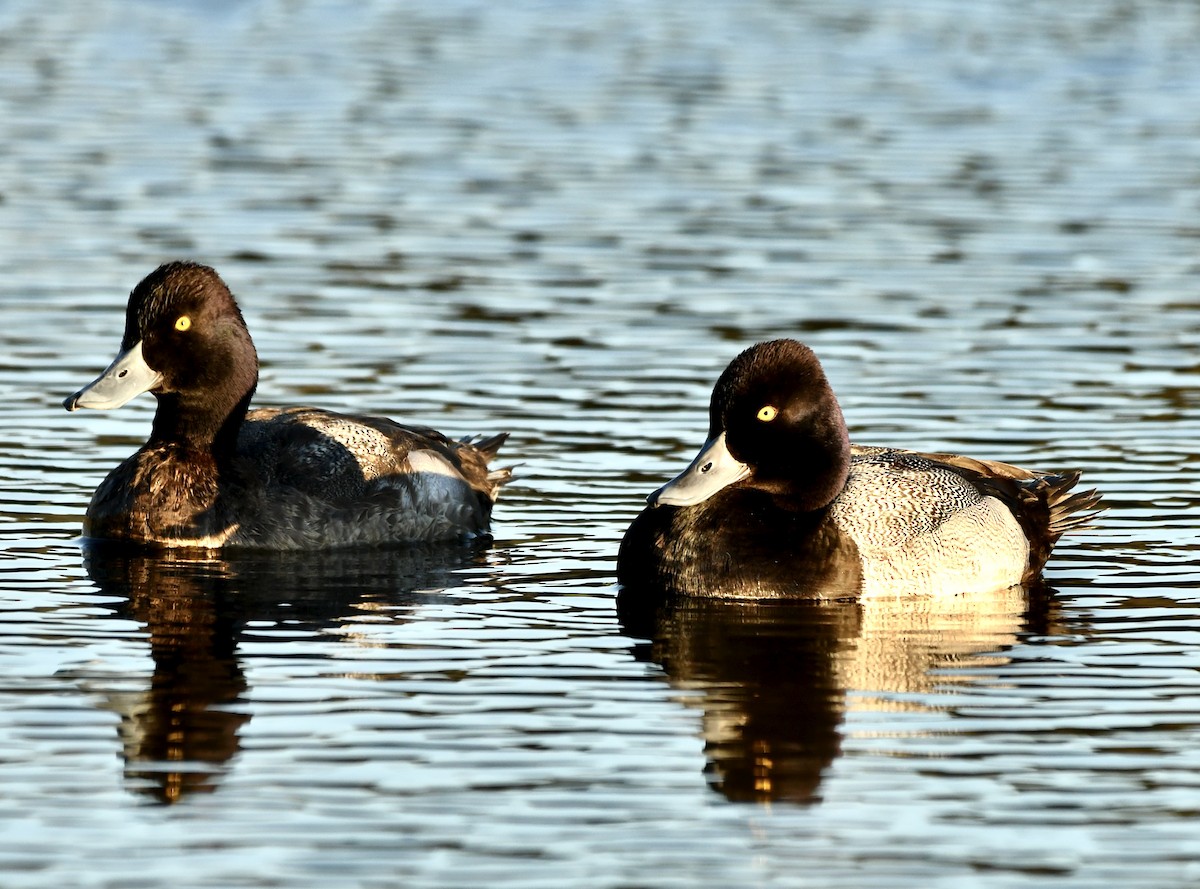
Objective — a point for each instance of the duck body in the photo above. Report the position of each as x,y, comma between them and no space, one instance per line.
214,474
779,504
301,478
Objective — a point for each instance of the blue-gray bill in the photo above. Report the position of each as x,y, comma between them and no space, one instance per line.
713,469
129,375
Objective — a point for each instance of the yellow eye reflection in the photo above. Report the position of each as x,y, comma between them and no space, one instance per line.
183,322
768,413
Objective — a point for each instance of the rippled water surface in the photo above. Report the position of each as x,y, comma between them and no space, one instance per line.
562,219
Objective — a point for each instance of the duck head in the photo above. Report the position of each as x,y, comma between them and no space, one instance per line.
775,426
187,344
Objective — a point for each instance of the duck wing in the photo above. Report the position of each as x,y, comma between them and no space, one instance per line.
1043,503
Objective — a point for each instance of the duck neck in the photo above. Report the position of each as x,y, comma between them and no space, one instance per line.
811,472
199,424
826,469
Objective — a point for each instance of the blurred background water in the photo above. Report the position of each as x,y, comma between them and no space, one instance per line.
562,219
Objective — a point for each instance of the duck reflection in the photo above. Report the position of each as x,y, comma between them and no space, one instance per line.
179,734
775,678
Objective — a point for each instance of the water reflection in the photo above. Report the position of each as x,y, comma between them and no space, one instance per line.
775,679
181,731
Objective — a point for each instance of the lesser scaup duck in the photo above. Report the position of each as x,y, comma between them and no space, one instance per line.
779,504
214,474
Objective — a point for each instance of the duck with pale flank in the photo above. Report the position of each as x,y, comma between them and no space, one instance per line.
779,503
215,474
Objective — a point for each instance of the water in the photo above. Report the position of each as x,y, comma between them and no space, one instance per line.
563,219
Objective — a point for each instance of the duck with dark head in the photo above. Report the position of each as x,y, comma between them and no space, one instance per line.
215,474
779,503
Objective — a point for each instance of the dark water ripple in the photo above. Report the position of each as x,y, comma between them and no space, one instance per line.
562,220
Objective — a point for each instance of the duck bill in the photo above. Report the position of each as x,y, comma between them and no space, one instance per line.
127,376
713,469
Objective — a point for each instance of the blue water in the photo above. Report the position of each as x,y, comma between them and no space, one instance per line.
562,220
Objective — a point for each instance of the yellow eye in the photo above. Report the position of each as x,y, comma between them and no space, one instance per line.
183,322
768,413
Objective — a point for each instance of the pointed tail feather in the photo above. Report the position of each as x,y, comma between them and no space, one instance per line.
1071,512
488,448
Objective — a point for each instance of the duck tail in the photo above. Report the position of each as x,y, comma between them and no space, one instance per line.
488,448
1070,512
1056,511
498,477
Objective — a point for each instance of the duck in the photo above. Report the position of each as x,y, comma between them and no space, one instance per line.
779,504
215,474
